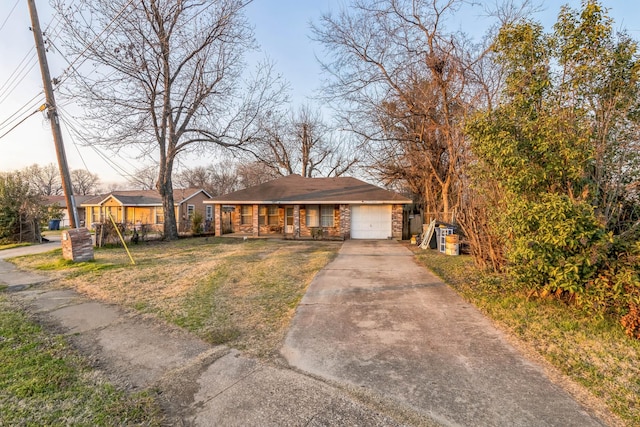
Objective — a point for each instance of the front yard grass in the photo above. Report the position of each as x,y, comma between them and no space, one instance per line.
43,382
227,291
592,351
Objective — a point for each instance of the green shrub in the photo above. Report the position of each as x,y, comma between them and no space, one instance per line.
197,222
556,245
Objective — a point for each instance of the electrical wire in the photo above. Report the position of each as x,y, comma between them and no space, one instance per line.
9,16
27,105
62,77
23,120
74,133
16,83
22,70
30,55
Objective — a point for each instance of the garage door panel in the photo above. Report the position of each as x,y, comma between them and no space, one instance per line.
371,221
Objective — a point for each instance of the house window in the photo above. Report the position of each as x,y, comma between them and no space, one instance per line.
313,216
262,215
268,215
190,211
273,215
159,215
326,216
209,213
246,215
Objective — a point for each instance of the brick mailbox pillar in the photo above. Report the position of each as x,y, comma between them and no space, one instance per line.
77,245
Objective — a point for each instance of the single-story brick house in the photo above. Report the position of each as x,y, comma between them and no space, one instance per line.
137,207
297,208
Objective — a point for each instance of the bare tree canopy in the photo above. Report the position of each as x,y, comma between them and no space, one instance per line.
300,142
85,182
43,180
145,178
215,179
165,78
405,84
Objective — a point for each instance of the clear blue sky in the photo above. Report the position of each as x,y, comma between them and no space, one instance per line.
281,28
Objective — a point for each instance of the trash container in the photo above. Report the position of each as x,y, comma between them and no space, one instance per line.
452,246
54,224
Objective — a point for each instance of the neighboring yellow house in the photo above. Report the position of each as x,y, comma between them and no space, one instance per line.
144,207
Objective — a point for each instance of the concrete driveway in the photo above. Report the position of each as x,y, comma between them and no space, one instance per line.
376,320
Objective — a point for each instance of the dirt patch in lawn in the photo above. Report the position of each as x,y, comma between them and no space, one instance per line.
227,291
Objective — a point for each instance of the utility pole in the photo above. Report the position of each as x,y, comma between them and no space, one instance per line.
53,116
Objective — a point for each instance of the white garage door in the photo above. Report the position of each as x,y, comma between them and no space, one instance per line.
371,222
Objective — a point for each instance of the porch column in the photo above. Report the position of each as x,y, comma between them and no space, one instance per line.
217,220
396,221
296,221
345,221
255,223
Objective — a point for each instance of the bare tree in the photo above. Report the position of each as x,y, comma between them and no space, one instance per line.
300,142
166,78
254,173
85,182
215,179
43,180
405,85
145,178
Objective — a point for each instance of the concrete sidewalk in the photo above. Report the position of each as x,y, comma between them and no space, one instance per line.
30,250
375,319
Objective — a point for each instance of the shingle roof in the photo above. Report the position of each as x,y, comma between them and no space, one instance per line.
62,201
296,189
143,197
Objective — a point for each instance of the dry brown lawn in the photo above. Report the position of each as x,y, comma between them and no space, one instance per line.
240,293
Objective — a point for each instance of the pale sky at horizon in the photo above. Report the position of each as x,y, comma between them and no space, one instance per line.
281,28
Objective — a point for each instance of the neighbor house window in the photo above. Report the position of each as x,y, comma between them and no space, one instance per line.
246,215
313,216
159,215
95,214
190,211
326,216
209,213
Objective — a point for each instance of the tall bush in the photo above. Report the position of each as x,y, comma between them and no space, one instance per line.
563,149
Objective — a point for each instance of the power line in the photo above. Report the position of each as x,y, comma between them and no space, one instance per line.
42,108
30,54
16,83
62,79
24,68
72,129
9,16
29,104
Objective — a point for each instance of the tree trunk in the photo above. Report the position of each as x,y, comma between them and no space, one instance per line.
165,188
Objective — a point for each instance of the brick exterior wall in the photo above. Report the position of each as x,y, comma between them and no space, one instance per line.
334,232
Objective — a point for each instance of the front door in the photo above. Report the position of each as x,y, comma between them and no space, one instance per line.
288,220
